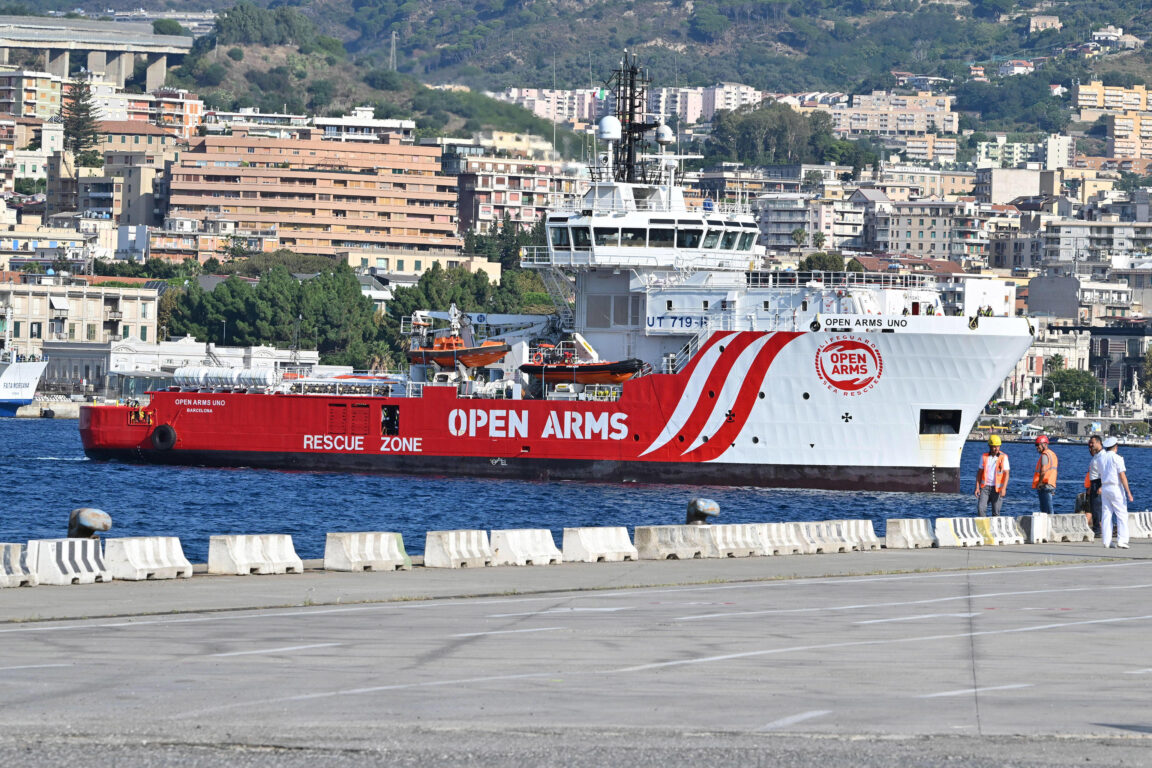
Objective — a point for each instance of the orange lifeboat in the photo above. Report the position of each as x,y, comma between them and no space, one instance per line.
446,351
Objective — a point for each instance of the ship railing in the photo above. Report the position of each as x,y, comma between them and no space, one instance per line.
593,207
708,323
767,279
538,256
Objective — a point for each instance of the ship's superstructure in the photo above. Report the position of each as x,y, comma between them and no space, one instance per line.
688,362
18,377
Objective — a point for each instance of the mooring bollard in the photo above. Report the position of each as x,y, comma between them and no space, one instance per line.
699,510
84,522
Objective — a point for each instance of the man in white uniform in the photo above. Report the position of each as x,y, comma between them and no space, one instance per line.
1109,469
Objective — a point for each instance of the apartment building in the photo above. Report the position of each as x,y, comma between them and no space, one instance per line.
71,309
1054,152
180,238
890,114
1130,134
400,269
930,148
1094,99
494,188
583,105
938,229
323,197
1003,185
930,181
362,125
26,93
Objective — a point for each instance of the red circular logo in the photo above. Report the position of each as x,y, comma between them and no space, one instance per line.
849,365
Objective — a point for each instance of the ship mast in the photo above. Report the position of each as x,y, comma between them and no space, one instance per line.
629,83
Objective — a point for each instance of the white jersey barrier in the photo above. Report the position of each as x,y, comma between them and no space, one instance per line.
910,533
957,532
13,569
1037,527
146,557
365,551
598,545
860,534
262,554
457,549
779,539
737,540
674,542
827,537
61,562
802,534
1072,527
530,546
1140,525
999,530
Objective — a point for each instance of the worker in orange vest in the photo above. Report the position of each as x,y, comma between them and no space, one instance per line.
1044,478
992,479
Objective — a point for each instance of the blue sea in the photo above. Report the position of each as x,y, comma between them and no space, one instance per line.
44,475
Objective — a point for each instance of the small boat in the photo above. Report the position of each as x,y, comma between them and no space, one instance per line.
446,351
603,372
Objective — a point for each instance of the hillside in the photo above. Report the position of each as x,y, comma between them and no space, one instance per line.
769,44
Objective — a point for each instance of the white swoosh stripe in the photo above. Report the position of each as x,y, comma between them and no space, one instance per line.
729,392
691,395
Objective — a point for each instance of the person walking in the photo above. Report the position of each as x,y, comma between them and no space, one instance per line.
1113,474
1044,478
992,479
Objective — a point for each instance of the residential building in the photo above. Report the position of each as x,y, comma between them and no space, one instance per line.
1003,185
938,229
1086,302
1054,152
494,188
930,148
780,215
1043,23
405,268
362,125
71,309
1094,99
1072,344
1015,67
892,114
323,197
728,97
257,123
1130,134
179,239
584,105
26,93
927,182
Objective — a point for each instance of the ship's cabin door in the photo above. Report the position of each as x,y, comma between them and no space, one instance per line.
389,420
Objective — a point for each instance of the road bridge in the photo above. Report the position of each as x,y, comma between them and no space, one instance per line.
111,46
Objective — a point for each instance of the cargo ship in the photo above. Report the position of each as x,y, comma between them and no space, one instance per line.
748,377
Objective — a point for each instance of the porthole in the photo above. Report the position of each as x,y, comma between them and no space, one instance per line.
806,395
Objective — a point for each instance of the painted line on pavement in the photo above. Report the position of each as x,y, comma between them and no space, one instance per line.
34,666
897,604
784,722
285,649
561,610
969,691
922,616
507,632
1139,671
861,643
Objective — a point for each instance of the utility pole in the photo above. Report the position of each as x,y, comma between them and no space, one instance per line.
392,54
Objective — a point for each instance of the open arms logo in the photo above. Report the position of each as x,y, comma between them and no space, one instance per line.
851,365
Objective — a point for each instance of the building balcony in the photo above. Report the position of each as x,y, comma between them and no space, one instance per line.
113,315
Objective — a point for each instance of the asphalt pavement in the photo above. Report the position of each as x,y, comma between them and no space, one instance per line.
1032,655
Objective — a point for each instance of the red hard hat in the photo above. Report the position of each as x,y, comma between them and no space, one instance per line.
1042,440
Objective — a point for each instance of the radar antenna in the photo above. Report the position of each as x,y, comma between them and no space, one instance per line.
629,83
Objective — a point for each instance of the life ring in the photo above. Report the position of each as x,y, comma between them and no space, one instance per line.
163,437
537,358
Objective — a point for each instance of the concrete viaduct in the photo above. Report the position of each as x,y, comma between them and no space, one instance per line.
111,46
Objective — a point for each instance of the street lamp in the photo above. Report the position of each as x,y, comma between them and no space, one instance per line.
223,332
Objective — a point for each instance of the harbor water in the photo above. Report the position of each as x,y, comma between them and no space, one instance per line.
44,475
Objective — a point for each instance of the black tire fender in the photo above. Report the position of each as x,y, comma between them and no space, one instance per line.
163,437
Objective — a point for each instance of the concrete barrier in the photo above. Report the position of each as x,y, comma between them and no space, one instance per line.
803,534
1140,525
13,568
598,545
910,533
457,549
262,554
779,539
530,546
1072,527
737,540
365,551
145,558
827,536
957,532
674,542
999,530
861,534
1037,528
61,562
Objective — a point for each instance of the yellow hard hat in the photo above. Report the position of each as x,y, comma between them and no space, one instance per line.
994,440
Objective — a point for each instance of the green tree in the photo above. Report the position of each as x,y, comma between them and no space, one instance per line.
168,27
1056,362
854,266
81,134
1075,386
799,236
818,239
825,262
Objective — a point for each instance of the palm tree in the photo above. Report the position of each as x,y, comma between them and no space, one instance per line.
799,236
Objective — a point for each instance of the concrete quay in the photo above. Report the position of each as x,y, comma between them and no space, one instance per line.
1031,655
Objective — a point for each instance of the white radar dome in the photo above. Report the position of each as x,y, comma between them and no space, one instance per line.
664,136
609,129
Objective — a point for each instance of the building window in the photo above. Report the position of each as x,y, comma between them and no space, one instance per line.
400,265
34,330
16,329
419,265
91,333
143,333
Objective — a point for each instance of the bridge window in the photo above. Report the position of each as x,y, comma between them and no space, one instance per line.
581,238
746,240
661,238
688,238
712,238
606,236
559,237
632,238
729,240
